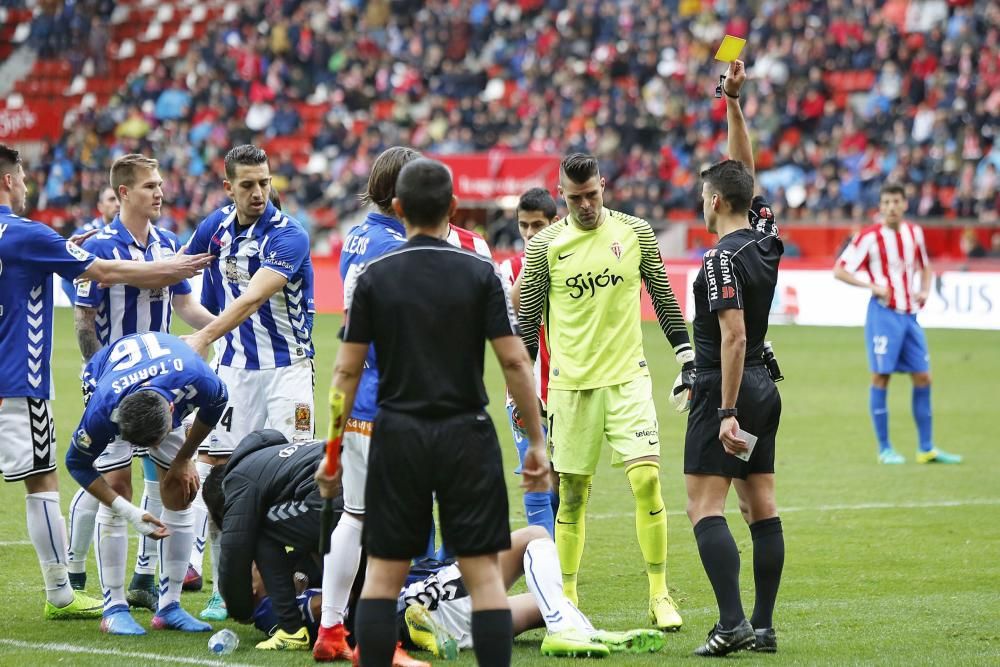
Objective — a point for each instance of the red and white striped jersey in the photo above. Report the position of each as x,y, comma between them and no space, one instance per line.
510,269
463,238
893,258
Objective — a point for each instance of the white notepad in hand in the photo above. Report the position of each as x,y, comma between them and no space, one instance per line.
751,441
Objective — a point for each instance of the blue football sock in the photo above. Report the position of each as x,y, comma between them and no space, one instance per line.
880,417
431,547
538,509
444,554
554,499
148,469
922,415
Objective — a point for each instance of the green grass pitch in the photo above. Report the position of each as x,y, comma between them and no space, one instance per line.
885,565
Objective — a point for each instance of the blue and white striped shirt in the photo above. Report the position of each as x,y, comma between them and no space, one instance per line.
280,332
124,310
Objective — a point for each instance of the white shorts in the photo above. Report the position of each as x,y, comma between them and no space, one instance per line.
118,455
165,453
354,461
27,438
278,398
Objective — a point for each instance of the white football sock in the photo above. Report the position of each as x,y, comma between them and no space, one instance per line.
340,567
147,557
82,513
197,558
544,579
47,531
112,552
174,552
215,537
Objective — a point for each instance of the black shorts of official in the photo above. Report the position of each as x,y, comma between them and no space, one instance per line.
411,460
759,406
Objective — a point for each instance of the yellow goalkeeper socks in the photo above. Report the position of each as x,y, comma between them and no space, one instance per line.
574,491
650,523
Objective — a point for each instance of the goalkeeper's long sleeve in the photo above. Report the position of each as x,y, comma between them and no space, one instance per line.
668,311
534,292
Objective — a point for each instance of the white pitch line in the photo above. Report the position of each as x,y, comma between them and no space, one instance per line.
15,543
152,657
857,507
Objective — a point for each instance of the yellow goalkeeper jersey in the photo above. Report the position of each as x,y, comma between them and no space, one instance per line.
585,284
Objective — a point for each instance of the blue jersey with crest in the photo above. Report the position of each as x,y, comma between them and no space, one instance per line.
149,361
280,332
122,309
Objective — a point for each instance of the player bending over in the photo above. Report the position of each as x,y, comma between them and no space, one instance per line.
140,389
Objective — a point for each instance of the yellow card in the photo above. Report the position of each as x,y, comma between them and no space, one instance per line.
730,49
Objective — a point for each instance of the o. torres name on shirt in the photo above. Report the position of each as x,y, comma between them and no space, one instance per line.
151,371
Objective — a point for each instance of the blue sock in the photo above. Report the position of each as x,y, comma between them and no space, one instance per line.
922,415
444,554
554,499
431,548
538,509
880,417
148,469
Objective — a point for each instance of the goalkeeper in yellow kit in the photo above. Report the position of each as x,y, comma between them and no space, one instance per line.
584,274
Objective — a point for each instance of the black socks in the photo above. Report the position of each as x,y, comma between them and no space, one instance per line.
721,561
768,561
493,637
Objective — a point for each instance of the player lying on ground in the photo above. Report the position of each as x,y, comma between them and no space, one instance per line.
139,390
436,612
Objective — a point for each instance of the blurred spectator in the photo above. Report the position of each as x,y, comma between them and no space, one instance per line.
971,247
844,96
995,245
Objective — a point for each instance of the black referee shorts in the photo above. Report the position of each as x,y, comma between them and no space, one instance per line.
759,406
412,459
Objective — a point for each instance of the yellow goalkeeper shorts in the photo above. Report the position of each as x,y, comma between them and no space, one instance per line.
580,421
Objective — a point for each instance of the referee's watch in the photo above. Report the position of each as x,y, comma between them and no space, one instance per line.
727,412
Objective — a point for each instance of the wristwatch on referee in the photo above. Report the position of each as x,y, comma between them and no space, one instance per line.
727,412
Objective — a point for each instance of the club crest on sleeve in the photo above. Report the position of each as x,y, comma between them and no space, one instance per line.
82,439
76,251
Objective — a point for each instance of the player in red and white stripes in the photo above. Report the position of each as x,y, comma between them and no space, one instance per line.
536,210
893,254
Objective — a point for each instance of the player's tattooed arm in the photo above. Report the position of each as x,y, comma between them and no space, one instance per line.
84,321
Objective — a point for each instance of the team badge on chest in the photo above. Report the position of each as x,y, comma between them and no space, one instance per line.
616,250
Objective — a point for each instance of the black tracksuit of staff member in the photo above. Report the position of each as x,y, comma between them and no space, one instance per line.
271,518
429,309
733,390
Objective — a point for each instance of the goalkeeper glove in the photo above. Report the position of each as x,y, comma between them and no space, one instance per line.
683,386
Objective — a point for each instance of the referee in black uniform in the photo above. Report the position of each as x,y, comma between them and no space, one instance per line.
734,390
429,309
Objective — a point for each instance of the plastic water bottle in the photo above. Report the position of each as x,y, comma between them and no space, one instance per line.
223,642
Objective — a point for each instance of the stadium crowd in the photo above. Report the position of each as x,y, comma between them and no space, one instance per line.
849,94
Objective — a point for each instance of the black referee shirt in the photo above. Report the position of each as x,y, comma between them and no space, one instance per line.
739,272
429,308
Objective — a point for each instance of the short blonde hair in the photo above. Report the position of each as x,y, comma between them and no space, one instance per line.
126,168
